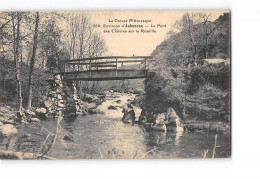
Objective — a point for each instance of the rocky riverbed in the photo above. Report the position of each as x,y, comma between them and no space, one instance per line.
98,132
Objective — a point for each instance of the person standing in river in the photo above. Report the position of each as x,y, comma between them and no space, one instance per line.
129,114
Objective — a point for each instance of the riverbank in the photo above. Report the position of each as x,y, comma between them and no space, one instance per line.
104,135
111,105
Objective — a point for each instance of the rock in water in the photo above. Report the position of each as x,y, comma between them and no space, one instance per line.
173,121
112,108
95,111
159,127
8,130
34,119
160,119
41,110
61,105
91,106
118,101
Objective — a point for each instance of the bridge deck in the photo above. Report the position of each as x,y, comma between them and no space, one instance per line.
106,68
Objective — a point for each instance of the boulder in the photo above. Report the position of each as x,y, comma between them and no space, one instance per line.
95,111
34,119
28,113
160,118
1,124
62,101
171,115
113,96
57,77
118,101
111,107
41,110
173,121
8,130
94,98
6,116
59,90
77,107
91,106
51,93
41,113
59,96
101,95
61,105
75,97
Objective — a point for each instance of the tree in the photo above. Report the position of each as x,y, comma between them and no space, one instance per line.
32,61
51,47
82,40
16,43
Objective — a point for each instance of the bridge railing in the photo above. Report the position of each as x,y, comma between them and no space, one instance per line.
114,63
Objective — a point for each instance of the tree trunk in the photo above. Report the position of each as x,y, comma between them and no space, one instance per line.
16,44
92,89
194,45
32,62
207,46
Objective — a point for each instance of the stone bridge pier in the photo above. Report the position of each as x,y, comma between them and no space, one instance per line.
62,99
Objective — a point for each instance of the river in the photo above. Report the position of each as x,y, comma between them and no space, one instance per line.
97,136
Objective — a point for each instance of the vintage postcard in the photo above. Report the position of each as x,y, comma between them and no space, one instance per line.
115,84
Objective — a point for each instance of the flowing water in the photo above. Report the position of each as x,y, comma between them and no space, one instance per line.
106,136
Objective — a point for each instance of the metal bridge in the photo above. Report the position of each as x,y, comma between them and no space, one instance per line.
106,68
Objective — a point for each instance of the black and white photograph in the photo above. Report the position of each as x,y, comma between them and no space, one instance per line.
115,84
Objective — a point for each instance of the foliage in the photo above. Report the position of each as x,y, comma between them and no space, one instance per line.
39,83
177,50
216,75
61,37
195,91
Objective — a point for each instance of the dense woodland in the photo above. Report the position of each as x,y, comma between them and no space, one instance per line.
32,45
198,91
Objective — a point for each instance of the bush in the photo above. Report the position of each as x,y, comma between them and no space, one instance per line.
9,94
203,91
